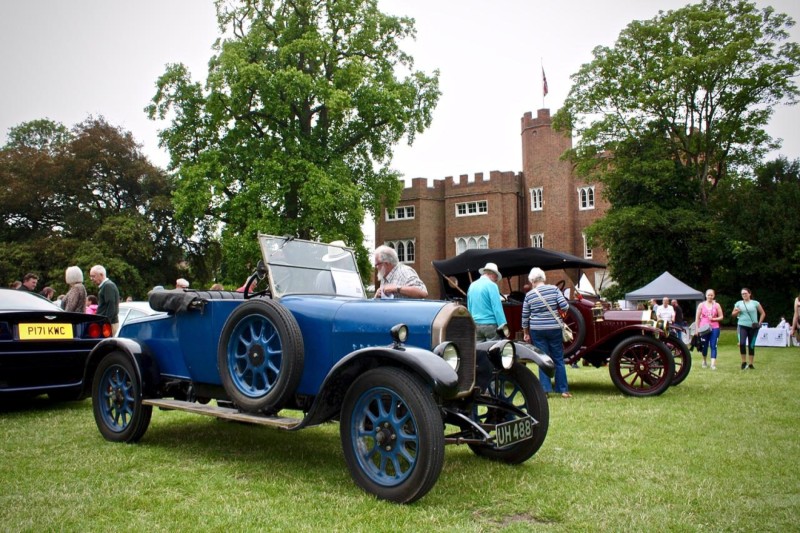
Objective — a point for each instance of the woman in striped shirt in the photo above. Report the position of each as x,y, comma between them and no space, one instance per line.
541,325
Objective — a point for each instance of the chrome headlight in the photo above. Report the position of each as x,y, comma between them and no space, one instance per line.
503,354
399,333
449,352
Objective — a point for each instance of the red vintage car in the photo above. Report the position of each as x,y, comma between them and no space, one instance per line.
644,357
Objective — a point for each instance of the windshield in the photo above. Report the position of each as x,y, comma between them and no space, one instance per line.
305,267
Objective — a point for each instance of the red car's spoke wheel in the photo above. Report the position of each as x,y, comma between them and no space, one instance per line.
682,357
641,366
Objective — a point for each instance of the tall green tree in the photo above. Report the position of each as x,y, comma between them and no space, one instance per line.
294,130
761,237
84,197
691,90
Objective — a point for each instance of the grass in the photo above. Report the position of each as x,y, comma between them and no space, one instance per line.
720,452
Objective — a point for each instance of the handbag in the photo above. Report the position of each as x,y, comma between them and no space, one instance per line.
754,327
566,333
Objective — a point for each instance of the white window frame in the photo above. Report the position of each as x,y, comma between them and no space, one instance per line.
471,209
406,212
587,252
406,249
586,198
470,242
537,240
537,198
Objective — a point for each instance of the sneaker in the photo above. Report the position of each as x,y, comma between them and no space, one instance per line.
713,367
744,366
704,364
751,367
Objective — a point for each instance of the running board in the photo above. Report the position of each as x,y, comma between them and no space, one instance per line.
226,413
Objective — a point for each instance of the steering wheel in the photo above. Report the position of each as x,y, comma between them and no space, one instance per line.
251,282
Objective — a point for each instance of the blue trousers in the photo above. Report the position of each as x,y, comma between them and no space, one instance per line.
549,341
711,341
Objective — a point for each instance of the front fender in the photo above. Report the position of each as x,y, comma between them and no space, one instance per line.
529,352
431,368
144,364
525,353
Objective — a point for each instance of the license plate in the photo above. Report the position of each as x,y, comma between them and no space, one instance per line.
509,433
35,332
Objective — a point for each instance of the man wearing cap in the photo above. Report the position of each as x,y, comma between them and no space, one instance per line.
485,303
397,280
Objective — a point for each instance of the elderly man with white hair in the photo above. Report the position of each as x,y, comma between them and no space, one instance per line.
397,280
181,283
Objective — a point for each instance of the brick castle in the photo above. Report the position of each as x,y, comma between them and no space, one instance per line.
545,205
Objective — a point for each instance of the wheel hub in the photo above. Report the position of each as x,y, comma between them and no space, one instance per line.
256,355
386,437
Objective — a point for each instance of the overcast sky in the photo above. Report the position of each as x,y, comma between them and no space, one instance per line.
67,59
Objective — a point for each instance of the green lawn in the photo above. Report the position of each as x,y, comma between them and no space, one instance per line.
720,452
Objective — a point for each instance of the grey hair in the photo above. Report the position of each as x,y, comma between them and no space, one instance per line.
536,274
73,275
98,269
386,254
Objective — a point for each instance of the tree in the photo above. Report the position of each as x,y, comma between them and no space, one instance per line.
293,133
84,197
761,237
698,84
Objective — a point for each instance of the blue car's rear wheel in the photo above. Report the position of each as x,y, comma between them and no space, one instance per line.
260,356
392,435
117,400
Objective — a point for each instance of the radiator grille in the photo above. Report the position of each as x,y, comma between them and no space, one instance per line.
455,324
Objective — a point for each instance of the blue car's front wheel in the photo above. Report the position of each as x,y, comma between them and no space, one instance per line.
392,435
260,356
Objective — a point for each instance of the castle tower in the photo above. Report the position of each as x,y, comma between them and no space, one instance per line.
551,199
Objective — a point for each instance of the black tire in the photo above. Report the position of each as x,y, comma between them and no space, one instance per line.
392,435
117,400
260,356
520,387
575,321
641,366
682,357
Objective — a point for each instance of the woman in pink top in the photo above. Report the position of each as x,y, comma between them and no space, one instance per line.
709,313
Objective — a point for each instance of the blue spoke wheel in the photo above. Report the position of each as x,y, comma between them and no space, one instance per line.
392,435
117,400
641,366
519,387
260,356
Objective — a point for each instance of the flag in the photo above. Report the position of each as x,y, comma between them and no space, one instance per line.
544,83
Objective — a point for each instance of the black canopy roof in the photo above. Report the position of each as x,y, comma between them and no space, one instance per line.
510,262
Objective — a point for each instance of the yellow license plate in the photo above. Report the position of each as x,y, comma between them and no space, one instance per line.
34,332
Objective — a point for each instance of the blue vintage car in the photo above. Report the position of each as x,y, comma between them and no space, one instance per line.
303,345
